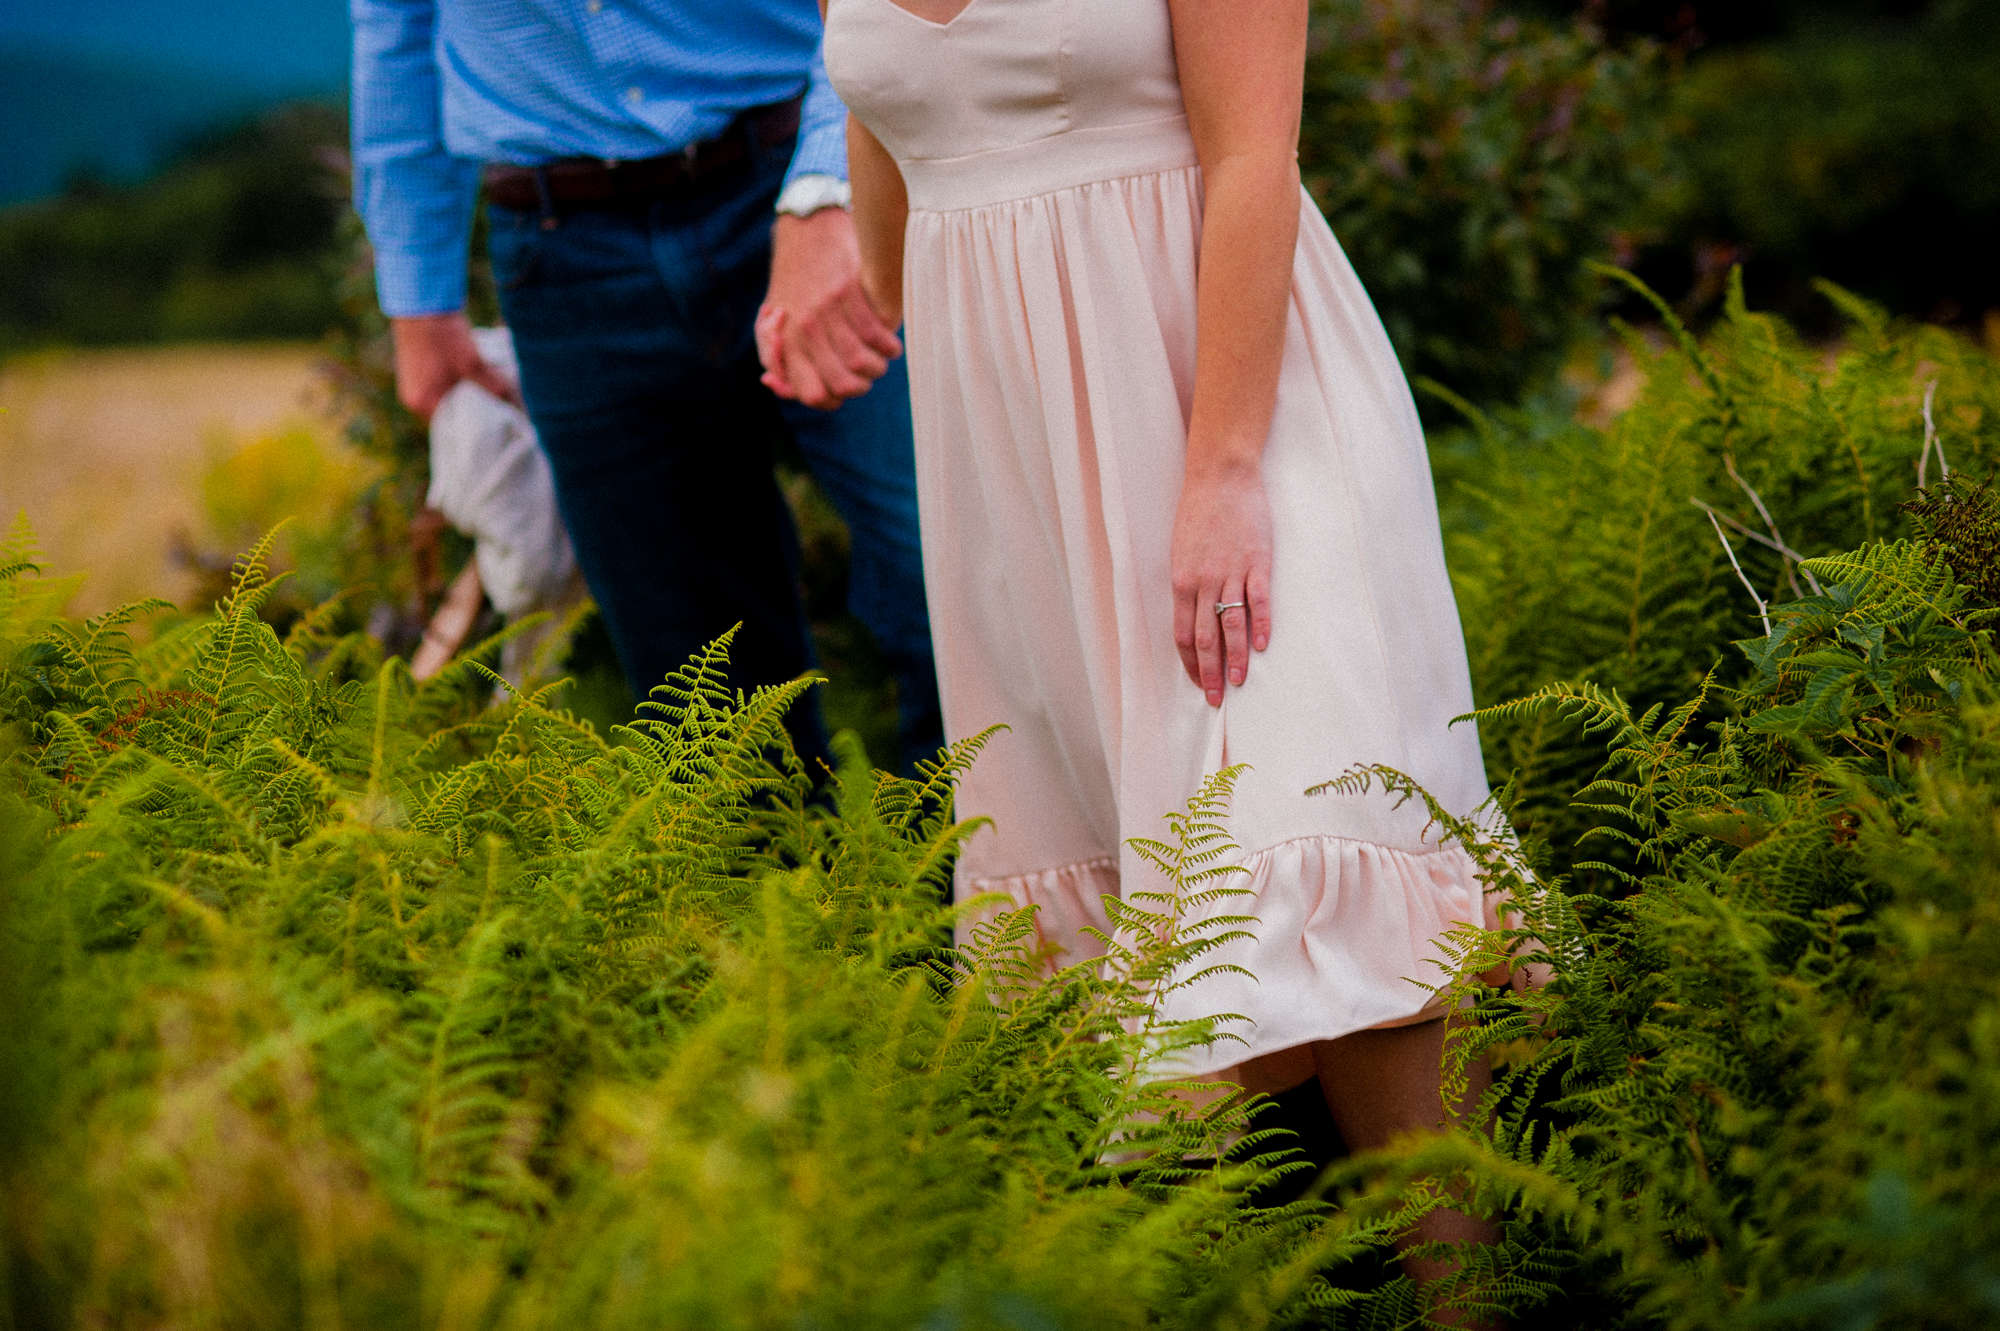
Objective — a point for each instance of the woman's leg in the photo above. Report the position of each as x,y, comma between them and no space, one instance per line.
1382,1084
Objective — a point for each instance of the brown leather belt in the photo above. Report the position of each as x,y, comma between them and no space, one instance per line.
570,183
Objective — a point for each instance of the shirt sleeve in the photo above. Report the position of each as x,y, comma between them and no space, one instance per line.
822,149
414,197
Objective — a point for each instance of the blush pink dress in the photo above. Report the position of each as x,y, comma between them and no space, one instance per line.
1049,288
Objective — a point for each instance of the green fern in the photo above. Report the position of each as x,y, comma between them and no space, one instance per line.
330,996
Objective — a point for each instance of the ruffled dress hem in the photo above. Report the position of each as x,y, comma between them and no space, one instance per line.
1346,937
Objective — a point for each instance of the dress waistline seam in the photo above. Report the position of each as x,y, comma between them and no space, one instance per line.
1040,167
1060,189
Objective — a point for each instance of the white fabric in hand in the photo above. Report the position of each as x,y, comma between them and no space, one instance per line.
491,481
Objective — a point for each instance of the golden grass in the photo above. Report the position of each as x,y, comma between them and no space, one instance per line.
119,457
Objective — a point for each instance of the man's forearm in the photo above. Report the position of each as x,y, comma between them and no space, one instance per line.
414,197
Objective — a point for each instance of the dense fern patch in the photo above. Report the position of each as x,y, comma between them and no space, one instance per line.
1631,556
330,998
353,1000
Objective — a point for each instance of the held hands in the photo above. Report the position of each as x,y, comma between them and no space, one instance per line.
1222,555
434,352
819,336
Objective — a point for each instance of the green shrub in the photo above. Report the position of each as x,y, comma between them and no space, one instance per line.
1471,165
1759,1089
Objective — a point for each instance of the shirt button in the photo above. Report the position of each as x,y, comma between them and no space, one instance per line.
595,6
634,95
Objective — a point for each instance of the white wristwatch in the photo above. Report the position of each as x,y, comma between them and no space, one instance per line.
809,193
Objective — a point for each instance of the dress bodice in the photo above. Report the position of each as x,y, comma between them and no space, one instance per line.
1012,97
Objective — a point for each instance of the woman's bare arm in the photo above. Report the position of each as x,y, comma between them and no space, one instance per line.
1242,70
881,208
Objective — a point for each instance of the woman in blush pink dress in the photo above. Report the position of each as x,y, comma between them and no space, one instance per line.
1177,512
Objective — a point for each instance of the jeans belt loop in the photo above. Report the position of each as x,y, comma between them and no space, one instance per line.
549,219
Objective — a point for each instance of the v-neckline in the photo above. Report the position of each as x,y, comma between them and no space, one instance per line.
931,22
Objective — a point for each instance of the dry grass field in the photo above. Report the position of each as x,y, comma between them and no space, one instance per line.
120,458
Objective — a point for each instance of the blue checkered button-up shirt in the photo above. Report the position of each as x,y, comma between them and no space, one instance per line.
442,86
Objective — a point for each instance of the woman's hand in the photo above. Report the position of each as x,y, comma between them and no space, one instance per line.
1222,556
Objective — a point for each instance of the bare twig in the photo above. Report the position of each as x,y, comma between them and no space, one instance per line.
1731,550
1761,539
1776,542
1930,439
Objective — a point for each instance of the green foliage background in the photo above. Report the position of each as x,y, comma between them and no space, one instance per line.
328,998
411,1008
1472,165
1585,554
1860,147
235,240
1474,158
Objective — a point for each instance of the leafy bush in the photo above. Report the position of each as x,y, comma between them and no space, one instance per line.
1759,1088
1471,165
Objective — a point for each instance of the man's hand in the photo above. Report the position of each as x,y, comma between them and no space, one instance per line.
433,353
820,340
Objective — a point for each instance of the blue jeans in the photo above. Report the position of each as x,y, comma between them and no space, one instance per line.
639,368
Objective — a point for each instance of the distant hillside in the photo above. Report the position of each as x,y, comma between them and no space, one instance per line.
116,119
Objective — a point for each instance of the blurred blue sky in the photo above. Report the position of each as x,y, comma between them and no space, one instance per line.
111,85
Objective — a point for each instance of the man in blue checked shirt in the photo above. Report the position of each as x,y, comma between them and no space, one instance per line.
634,155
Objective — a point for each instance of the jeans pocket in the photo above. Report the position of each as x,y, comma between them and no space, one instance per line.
512,247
